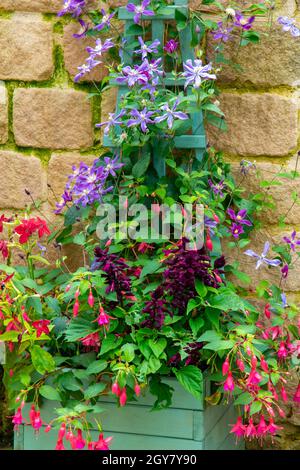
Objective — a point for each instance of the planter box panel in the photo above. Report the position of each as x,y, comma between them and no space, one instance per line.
221,430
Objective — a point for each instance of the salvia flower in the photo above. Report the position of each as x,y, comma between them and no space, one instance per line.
170,114
262,259
140,10
147,48
195,72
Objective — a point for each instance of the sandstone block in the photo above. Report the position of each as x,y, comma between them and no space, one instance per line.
25,48
19,172
258,124
52,118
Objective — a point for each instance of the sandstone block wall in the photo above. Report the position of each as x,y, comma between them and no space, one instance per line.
47,122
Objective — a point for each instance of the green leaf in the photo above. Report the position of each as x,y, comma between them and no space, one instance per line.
50,393
141,166
191,379
10,336
243,399
193,303
96,367
94,390
210,335
109,343
255,407
200,288
79,239
150,267
196,324
78,328
42,361
157,346
154,365
128,351
220,345
162,391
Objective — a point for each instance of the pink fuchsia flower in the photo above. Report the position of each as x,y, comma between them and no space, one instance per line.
60,445
62,431
76,308
137,389
250,430
17,419
273,428
262,427
267,311
102,444
32,414
171,46
282,352
103,318
79,441
37,422
41,326
264,365
254,378
240,365
284,394
229,383
296,397
91,341
116,389
140,10
238,428
91,300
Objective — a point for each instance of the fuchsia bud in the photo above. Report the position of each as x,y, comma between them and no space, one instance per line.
37,423
248,351
11,372
69,436
254,362
268,311
91,299
296,397
137,389
108,243
32,414
209,243
284,394
77,294
226,366
282,351
17,418
123,397
216,218
48,428
264,365
281,413
116,389
67,289
229,383
60,445
76,308
240,365
62,431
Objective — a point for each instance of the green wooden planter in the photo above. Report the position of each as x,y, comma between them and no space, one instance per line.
187,425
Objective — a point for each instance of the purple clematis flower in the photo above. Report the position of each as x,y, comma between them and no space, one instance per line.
141,118
246,166
284,300
222,33
74,7
171,46
86,68
100,47
261,259
113,120
236,230
105,20
292,241
147,49
217,188
243,22
170,114
137,74
239,217
83,29
195,72
288,24
140,10
111,165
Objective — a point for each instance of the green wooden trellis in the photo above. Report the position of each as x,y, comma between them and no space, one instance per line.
197,139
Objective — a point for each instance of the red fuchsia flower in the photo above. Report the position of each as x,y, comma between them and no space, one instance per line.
272,389
143,247
282,352
91,300
116,389
102,444
254,362
76,308
32,414
262,427
103,318
60,445
268,311
254,378
62,431
250,430
226,366
37,422
238,428
79,441
296,397
4,249
123,397
264,365
91,341
240,365
229,383
209,244
137,389
41,326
